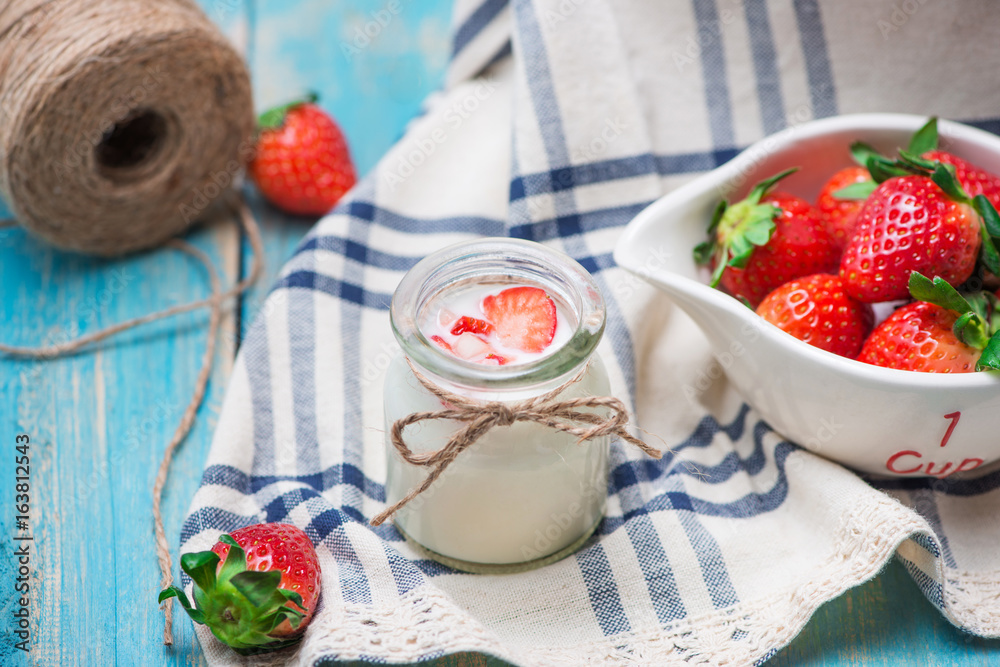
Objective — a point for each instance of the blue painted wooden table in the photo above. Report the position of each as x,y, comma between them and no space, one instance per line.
98,421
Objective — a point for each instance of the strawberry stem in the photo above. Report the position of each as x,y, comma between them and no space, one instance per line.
241,607
735,230
275,117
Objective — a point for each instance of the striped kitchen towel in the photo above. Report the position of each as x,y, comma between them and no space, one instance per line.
560,120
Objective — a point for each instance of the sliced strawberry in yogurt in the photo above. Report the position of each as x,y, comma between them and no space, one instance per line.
524,318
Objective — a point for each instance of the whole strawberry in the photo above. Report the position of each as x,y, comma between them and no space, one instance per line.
840,214
909,224
302,164
943,332
817,310
257,588
765,240
919,337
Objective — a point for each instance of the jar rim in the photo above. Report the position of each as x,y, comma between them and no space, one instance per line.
505,260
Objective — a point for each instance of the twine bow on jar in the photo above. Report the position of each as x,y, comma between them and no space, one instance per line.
567,416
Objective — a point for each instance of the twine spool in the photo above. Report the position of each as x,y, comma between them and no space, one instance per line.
120,120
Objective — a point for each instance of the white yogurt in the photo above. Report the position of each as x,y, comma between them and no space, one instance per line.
519,494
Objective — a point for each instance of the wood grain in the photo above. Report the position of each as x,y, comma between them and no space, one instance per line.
99,420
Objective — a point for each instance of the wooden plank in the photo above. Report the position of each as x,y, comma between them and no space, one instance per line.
99,422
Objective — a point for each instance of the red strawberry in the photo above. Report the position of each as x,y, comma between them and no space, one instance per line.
919,337
442,343
472,325
523,317
302,164
839,214
763,241
944,331
975,180
909,224
817,310
257,588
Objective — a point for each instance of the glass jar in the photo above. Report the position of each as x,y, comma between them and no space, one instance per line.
522,495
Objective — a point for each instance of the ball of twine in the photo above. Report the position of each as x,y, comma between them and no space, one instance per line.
120,120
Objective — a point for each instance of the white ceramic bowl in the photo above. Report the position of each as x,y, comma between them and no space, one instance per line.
877,420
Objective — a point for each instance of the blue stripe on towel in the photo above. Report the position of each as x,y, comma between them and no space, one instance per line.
655,564
603,590
478,19
819,73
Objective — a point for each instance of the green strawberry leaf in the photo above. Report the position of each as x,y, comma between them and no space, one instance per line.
720,267
938,292
979,303
257,586
971,330
862,152
720,210
703,252
765,186
916,162
925,139
856,191
740,249
989,360
201,567
984,207
882,168
988,253
275,117
197,615
944,176
292,597
236,559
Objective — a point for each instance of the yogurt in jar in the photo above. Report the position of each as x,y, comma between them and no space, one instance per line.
521,495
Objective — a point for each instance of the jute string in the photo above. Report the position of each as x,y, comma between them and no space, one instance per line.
215,304
120,120
565,415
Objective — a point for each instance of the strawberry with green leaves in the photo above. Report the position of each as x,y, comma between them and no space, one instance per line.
910,223
816,309
942,332
302,164
257,588
917,216
765,240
